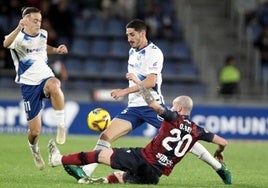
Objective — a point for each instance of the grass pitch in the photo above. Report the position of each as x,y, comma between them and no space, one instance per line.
248,162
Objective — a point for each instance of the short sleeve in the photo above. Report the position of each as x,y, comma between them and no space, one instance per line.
205,134
155,60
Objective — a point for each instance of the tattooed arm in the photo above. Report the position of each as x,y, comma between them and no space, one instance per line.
149,99
145,93
162,111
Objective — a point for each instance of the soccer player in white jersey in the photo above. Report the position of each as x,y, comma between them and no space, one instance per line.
29,49
146,62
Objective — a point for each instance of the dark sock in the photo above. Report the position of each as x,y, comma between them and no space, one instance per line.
112,179
80,158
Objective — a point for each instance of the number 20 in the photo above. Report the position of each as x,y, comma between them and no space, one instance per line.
179,140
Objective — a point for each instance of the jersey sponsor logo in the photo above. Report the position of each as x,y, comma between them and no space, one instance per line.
34,50
163,159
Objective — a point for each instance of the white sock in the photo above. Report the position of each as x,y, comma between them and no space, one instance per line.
102,144
89,169
202,153
60,117
33,147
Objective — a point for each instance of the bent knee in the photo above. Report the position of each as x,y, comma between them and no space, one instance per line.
53,84
116,129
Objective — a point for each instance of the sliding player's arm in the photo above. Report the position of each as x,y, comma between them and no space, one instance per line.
149,99
145,93
222,143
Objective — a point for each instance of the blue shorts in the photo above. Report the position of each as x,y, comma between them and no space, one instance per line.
33,99
139,115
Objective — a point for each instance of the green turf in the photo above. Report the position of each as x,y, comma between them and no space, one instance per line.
248,162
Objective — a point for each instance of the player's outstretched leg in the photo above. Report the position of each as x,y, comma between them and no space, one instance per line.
201,152
80,172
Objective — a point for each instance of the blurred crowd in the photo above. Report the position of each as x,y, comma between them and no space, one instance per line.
59,17
256,26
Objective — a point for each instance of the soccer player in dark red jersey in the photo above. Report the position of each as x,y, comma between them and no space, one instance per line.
145,165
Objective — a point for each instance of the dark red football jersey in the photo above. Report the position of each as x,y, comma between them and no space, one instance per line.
176,137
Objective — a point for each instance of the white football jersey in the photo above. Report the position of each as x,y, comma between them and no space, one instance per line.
29,54
141,63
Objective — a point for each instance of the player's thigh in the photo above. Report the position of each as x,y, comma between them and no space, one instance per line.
116,129
35,124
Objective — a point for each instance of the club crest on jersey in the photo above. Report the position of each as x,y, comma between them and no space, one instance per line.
138,64
141,55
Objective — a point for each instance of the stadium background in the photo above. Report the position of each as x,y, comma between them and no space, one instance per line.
195,37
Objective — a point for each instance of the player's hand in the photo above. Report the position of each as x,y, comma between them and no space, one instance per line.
62,49
219,155
117,93
22,23
133,77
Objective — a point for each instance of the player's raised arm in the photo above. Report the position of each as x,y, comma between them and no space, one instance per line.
10,38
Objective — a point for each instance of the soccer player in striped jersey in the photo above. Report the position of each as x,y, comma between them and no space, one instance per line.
175,138
29,49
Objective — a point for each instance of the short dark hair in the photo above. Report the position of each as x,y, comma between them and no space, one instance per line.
28,10
137,24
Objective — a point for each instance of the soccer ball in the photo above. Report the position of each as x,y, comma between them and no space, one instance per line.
98,119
